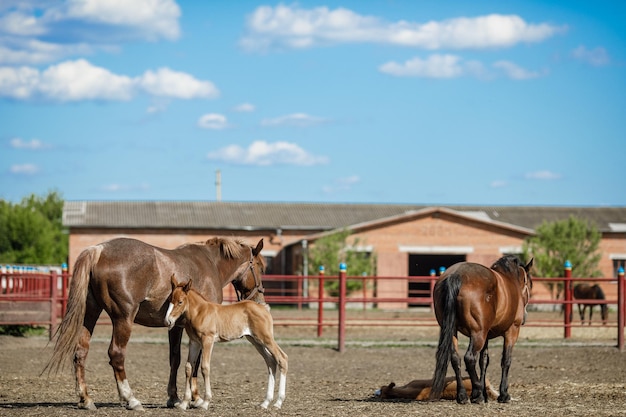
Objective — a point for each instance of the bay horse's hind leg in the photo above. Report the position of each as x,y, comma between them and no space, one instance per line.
476,344
92,313
455,361
117,354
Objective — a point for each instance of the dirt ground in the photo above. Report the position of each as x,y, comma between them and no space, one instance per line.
583,376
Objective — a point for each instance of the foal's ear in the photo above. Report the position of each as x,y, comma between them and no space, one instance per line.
174,281
187,286
258,248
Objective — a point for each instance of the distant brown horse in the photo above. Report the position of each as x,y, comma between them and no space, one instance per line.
482,303
590,292
419,390
207,322
130,280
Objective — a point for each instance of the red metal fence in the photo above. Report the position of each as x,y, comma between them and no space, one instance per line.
34,299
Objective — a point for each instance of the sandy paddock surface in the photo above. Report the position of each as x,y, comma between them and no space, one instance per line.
583,376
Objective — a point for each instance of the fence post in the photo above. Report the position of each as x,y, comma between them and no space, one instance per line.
54,298
320,296
567,311
342,307
621,305
432,281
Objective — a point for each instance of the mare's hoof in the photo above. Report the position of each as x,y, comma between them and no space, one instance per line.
89,405
462,399
504,398
134,405
173,402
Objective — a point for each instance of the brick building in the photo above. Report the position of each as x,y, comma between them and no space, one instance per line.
408,240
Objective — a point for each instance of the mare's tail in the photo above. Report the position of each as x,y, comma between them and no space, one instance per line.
68,332
447,298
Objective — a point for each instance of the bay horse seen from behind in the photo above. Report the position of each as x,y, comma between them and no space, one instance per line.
482,303
130,280
207,322
590,292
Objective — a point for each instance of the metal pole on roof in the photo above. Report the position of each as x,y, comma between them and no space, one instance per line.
218,185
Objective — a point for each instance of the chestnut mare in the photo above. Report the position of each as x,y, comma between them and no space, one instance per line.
207,322
482,303
130,280
590,292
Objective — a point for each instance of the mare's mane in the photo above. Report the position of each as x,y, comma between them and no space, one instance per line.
511,264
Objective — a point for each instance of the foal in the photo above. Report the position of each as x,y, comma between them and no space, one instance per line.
207,322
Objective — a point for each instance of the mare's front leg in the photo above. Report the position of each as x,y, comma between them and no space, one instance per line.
175,336
510,337
117,355
192,358
455,361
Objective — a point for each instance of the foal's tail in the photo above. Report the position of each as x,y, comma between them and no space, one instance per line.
68,332
450,287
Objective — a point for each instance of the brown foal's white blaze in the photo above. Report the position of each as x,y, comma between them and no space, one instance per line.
207,322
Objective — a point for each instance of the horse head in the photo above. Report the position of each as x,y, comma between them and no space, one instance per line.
249,285
178,301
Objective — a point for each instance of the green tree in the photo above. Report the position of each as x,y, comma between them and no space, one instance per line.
32,231
573,239
333,249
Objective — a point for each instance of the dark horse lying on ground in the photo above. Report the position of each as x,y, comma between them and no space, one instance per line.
420,389
590,292
482,303
130,280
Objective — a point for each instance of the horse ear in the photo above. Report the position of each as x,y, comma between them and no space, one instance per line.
174,281
187,286
529,264
258,248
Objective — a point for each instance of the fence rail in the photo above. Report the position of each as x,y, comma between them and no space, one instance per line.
41,299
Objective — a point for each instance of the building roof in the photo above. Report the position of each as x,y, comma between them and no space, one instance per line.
306,216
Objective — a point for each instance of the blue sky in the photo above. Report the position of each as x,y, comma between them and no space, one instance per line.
419,102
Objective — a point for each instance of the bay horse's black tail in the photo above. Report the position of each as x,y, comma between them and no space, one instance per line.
447,298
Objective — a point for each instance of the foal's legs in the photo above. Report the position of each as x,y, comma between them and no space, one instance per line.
117,354
92,313
192,358
276,360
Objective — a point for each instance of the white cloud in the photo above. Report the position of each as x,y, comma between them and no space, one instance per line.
542,175
498,184
516,72
24,169
263,153
295,119
342,184
435,66
213,121
245,107
33,144
597,57
296,27
168,83
80,80
119,188
33,31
